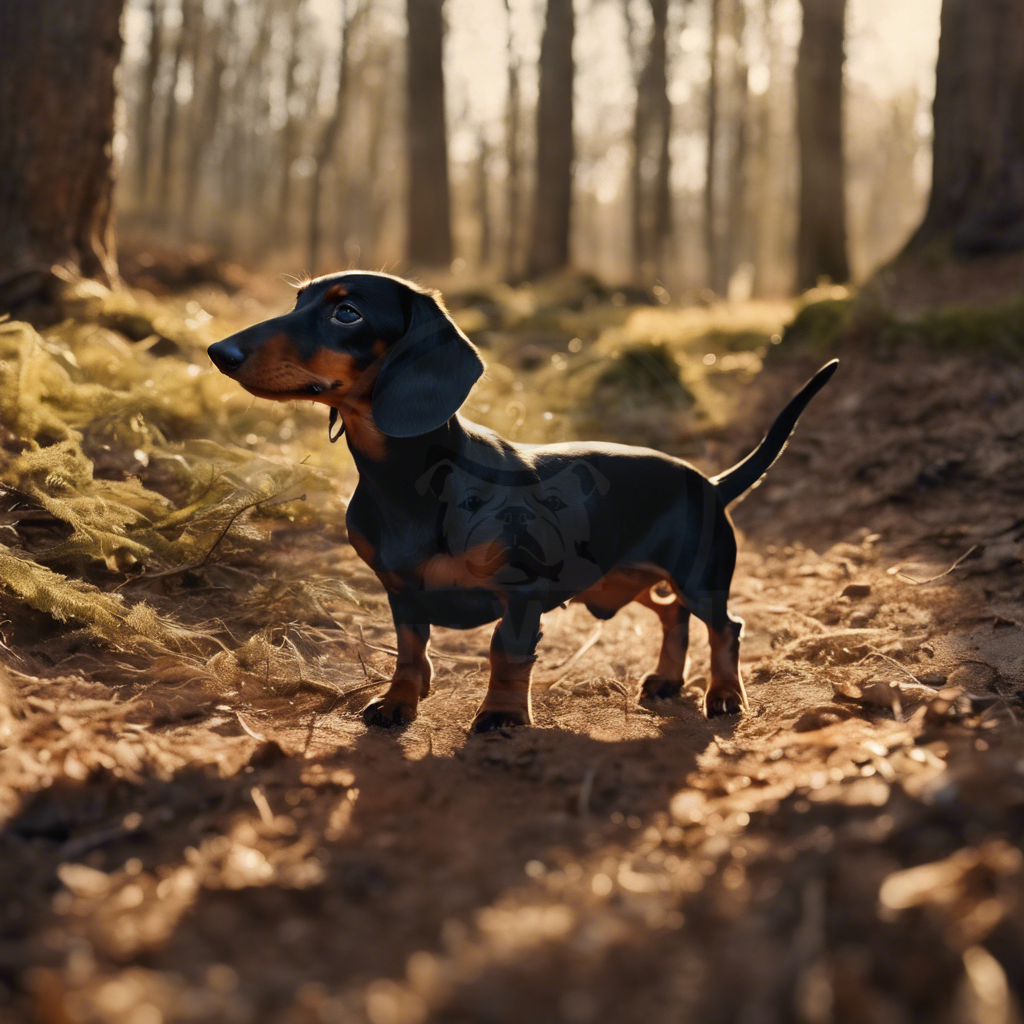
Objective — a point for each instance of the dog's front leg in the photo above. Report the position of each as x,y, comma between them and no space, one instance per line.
513,652
409,684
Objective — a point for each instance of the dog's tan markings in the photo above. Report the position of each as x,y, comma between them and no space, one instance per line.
335,292
667,678
508,692
726,694
616,589
380,347
409,684
474,567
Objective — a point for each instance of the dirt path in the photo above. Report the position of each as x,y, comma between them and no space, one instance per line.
268,859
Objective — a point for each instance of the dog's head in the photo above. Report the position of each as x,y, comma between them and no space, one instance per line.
359,338
516,526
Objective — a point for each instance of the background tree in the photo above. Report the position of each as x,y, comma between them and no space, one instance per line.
428,214
552,202
57,98
821,234
977,193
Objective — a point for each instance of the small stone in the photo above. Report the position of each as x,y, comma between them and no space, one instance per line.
859,620
856,591
936,679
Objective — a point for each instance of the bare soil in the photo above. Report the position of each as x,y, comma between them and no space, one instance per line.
847,851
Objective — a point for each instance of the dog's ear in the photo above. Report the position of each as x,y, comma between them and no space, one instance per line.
427,374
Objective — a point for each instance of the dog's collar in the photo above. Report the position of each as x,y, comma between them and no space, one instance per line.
333,436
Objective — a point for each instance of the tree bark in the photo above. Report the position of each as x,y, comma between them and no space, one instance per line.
711,246
977,196
57,97
147,101
549,241
821,235
428,215
512,171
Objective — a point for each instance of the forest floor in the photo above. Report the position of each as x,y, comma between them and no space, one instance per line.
221,839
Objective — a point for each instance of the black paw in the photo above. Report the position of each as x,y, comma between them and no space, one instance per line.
387,713
492,721
656,687
726,702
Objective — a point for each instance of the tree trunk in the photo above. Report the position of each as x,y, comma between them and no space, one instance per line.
977,197
147,100
169,138
483,198
512,180
57,98
711,247
329,138
429,239
289,131
549,241
821,235
662,225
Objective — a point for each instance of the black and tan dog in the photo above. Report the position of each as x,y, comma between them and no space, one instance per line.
464,528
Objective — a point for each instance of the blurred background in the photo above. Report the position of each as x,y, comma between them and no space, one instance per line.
319,134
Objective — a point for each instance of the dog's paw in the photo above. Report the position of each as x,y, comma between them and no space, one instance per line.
492,721
724,702
655,687
387,712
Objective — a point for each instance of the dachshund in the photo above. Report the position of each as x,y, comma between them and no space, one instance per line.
462,527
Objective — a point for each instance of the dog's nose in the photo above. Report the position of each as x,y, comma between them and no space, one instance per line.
516,515
226,355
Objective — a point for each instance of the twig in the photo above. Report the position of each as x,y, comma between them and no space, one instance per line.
223,533
872,653
564,667
920,583
248,729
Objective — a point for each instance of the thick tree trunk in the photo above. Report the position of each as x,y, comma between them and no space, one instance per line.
977,196
549,240
56,128
429,238
821,235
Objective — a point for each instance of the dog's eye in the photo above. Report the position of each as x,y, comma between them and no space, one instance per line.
472,503
553,504
346,314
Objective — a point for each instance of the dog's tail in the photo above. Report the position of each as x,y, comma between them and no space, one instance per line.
744,475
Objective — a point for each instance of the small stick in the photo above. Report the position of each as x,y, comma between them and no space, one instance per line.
920,583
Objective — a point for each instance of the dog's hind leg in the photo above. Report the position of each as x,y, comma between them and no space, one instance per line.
410,682
726,695
667,678
513,652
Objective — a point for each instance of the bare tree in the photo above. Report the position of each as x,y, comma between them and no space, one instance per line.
552,204
821,235
57,98
512,166
650,193
147,99
169,138
429,239
977,195
711,239
289,130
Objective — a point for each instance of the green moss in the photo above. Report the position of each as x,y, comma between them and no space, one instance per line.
820,326
647,370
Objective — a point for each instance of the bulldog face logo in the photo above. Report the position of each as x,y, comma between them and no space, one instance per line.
517,528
